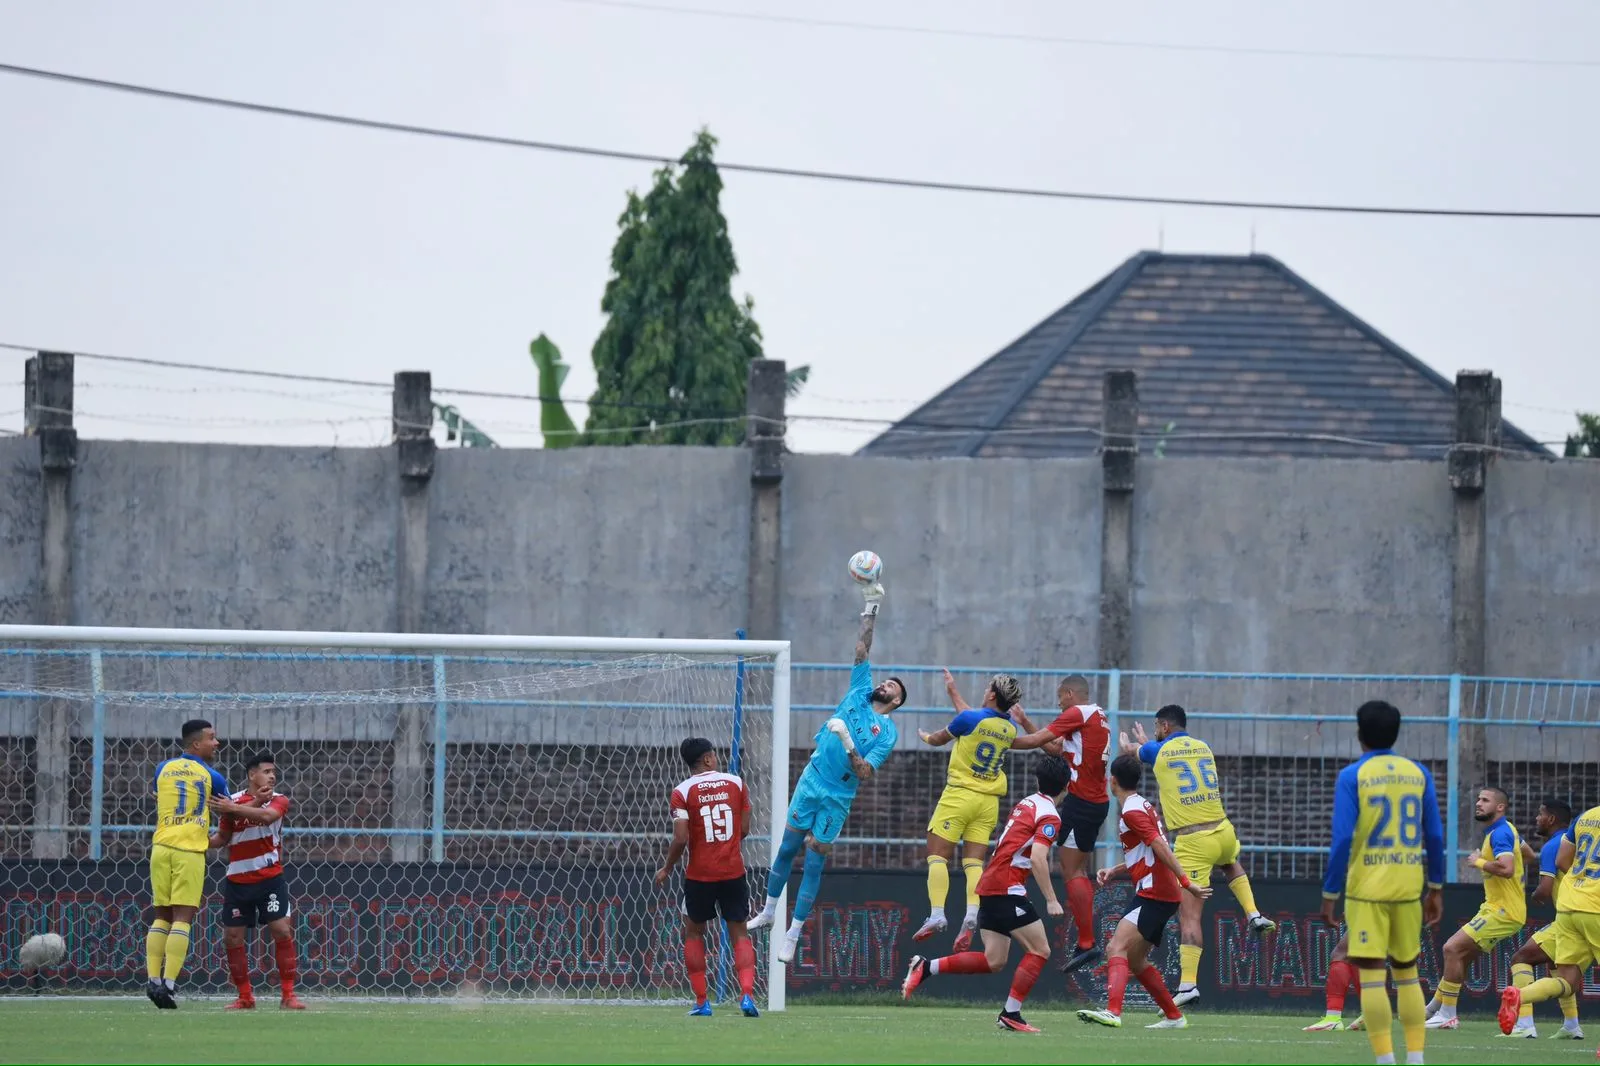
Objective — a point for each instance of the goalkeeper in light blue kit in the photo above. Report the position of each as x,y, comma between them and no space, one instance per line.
851,746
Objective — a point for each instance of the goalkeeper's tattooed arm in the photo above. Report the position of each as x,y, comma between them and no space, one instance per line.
864,637
873,595
860,767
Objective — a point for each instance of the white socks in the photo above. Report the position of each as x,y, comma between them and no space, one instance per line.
1013,1004
794,929
972,914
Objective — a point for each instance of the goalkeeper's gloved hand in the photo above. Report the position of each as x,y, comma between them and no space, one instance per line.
873,594
837,727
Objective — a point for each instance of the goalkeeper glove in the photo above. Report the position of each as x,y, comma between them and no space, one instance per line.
873,594
837,727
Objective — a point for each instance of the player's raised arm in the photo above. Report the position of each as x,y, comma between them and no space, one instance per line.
873,595
954,693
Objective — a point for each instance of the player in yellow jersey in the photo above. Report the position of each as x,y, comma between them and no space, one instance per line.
1552,821
969,806
1203,838
1504,911
183,787
1387,847
1577,940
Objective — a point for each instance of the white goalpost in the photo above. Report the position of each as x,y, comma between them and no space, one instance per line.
471,814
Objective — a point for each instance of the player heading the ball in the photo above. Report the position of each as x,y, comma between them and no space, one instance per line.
710,819
850,747
1004,913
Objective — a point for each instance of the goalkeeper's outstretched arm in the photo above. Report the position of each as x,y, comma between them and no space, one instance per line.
873,594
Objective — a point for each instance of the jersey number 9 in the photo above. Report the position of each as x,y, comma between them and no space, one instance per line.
1410,822
983,757
1187,782
717,821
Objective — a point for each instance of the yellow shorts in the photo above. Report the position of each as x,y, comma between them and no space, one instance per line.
1378,930
177,878
1577,939
1547,938
1198,852
964,815
1491,925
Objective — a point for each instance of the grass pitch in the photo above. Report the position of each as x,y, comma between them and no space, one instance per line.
117,1030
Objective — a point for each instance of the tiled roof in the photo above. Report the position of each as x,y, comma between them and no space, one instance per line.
1236,355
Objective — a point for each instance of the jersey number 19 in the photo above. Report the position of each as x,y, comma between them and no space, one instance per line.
717,820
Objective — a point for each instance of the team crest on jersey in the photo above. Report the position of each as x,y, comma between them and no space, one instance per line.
875,730
1048,832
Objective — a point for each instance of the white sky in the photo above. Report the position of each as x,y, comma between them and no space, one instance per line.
163,230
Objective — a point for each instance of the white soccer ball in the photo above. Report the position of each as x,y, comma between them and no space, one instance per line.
865,567
42,951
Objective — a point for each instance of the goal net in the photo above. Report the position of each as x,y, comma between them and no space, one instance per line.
471,815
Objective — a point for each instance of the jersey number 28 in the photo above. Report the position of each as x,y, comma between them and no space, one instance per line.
717,820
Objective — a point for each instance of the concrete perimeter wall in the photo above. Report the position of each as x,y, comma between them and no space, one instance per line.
1238,565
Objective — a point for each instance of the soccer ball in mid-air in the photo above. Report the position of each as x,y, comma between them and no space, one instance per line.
42,951
865,567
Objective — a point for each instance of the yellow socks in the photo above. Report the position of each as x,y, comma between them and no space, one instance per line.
973,869
1547,988
1411,1006
1522,977
938,882
1449,993
1377,1012
1240,887
1189,958
177,951
1569,1008
155,948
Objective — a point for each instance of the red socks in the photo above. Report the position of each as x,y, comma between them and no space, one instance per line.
1080,900
239,971
1154,984
1027,973
1340,976
966,962
1116,984
744,960
288,968
694,958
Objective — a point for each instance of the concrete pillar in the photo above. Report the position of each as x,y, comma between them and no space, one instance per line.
764,402
1119,452
49,417
414,444
1477,436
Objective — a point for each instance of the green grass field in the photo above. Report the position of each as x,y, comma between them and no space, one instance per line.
43,1030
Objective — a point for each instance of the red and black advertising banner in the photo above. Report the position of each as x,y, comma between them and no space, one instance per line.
427,929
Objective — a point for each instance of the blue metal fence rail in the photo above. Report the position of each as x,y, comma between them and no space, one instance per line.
1526,712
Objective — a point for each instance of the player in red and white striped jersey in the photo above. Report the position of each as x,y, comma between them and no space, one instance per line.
1159,884
256,891
1004,913
710,819
1079,732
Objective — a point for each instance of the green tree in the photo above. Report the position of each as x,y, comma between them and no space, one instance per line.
1585,444
674,355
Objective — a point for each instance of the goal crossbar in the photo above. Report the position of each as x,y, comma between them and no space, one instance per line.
388,641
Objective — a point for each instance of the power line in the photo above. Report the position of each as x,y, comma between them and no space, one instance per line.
779,171
1087,42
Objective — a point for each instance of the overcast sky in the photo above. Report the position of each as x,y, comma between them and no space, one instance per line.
163,230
